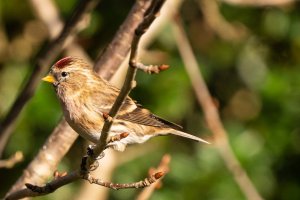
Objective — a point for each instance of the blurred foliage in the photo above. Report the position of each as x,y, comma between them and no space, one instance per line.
255,79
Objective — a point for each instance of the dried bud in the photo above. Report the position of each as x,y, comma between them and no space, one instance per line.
105,115
163,67
55,174
123,135
158,175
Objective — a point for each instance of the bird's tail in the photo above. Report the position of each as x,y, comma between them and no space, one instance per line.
189,136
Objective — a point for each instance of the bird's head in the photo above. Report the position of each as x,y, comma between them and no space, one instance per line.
69,72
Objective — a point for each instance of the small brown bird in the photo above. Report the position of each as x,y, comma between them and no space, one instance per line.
85,97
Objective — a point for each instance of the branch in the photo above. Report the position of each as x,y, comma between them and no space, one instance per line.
33,190
14,159
117,186
151,69
211,114
43,60
46,161
61,139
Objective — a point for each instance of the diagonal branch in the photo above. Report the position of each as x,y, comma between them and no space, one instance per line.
43,60
211,114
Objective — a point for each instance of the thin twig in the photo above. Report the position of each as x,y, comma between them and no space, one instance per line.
61,139
151,69
43,60
117,186
14,159
33,190
211,114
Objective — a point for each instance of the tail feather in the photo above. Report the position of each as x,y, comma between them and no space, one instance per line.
189,136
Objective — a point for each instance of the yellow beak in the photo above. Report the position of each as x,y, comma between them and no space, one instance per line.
49,78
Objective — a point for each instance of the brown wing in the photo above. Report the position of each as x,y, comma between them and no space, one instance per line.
144,117
130,111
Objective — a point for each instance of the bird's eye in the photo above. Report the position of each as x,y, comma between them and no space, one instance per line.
64,74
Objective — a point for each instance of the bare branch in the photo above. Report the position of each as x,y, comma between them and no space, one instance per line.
14,159
43,60
45,162
117,186
211,114
33,190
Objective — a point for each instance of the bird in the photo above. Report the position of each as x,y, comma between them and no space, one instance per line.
85,98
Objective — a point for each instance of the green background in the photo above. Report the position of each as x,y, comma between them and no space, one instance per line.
255,79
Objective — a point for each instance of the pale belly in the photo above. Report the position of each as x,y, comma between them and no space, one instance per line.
93,134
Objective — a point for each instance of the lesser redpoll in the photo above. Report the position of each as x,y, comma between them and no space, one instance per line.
85,97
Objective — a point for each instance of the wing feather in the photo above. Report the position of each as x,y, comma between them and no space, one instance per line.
144,117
